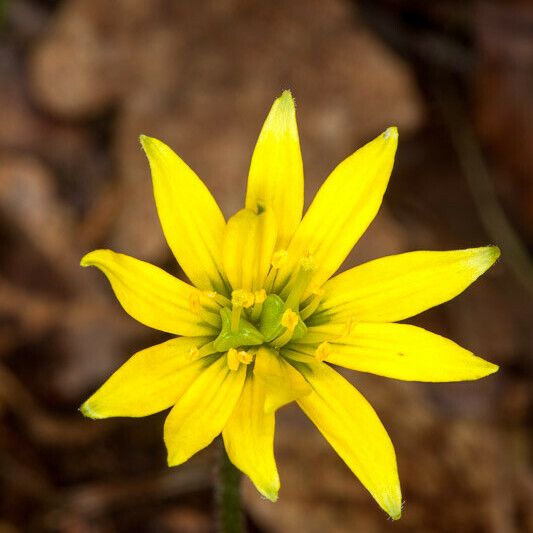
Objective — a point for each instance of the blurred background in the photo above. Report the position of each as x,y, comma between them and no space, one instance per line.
81,79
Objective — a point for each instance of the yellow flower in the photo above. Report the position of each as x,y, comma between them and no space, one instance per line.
262,321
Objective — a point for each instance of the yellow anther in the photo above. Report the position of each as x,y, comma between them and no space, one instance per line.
245,357
289,319
260,296
205,314
242,298
233,359
317,290
279,258
194,302
212,301
198,353
194,353
217,298
314,302
323,351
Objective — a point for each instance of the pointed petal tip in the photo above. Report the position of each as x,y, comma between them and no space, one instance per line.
269,488
88,412
485,257
152,146
88,259
271,494
393,506
490,368
493,253
391,133
396,516
286,99
91,259
282,117
145,140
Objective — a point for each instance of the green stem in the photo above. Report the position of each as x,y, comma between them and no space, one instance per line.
230,517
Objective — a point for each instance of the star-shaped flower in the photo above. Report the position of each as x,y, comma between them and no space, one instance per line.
263,320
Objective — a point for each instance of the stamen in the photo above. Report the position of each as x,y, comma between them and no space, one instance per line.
239,299
245,357
312,306
289,321
220,299
279,258
204,314
207,349
204,351
259,297
242,298
194,353
323,351
301,281
233,359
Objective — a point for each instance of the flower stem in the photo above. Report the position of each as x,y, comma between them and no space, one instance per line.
230,517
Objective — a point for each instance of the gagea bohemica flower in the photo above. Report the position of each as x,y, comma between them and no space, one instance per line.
263,321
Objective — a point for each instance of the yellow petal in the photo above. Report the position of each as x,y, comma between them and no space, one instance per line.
190,217
343,208
154,297
355,432
150,381
249,439
400,286
202,411
406,352
276,177
283,384
249,242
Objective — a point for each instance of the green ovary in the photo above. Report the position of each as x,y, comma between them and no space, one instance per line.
267,329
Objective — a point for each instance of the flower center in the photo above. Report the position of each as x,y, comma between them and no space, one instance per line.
251,319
